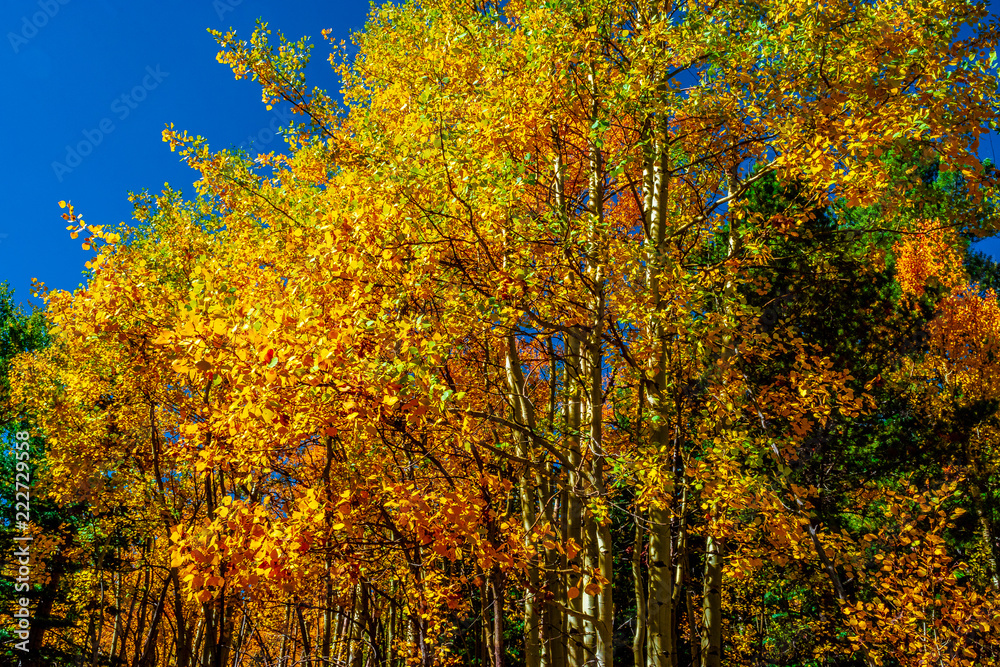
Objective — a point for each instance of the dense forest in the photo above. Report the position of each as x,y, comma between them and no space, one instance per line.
571,332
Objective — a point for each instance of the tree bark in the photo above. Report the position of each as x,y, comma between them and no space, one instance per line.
639,640
524,414
711,639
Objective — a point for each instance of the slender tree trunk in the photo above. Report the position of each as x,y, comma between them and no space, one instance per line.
711,639
552,644
285,635
240,638
575,524
228,616
486,619
597,259
692,618
328,592
391,634
524,414
199,637
327,613
554,654
263,647
304,633
639,640
357,644
141,630
116,632
184,631
293,646
370,625
88,641
350,648
413,636
683,592
145,656
210,634
590,600
660,648
100,625
497,595
340,650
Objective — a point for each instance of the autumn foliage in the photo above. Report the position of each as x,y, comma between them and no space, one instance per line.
575,333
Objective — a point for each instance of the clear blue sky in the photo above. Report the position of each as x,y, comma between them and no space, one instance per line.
111,73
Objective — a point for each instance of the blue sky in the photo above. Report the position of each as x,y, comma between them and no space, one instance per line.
110,74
